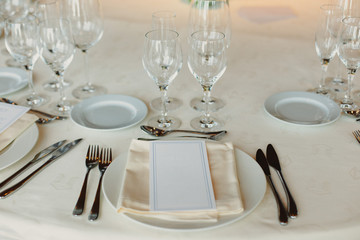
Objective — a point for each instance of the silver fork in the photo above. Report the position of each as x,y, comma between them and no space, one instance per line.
356,134
104,162
92,159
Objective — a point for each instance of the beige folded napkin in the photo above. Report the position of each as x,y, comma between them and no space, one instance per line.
18,127
134,197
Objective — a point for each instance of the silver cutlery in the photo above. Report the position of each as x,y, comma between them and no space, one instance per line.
261,159
160,132
212,137
51,116
40,155
45,120
91,161
59,152
104,161
356,134
274,162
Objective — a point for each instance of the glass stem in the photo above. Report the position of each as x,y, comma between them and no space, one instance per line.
60,78
324,67
29,69
206,97
351,76
86,69
164,111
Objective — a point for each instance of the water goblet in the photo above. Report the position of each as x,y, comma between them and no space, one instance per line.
21,40
162,60
207,63
87,28
349,53
57,51
210,15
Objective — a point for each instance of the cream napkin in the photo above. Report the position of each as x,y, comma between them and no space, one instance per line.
12,132
134,197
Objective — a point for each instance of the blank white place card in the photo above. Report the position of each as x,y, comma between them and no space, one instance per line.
180,178
9,114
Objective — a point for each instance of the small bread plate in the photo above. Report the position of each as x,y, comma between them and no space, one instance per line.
109,112
12,80
302,108
19,147
252,185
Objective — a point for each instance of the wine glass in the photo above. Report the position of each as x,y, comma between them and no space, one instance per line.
87,27
21,40
349,53
57,51
46,9
207,63
210,15
164,20
162,60
326,38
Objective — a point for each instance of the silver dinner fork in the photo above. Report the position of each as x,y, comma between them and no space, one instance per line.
356,134
91,160
104,162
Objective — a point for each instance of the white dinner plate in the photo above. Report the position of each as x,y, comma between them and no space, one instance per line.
19,147
109,112
302,108
252,186
12,80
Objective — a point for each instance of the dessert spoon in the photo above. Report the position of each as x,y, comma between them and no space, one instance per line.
160,132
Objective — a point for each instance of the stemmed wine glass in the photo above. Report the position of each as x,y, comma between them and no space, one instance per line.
210,15
87,27
326,38
207,63
57,51
21,40
162,60
164,20
349,53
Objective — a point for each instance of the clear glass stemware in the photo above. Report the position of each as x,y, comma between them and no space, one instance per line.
207,63
162,60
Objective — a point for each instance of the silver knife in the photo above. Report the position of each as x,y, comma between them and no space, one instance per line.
261,159
273,161
40,155
61,151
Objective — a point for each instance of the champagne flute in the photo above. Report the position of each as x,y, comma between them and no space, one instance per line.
210,15
87,25
349,53
326,38
207,63
57,51
162,60
21,40
47,9
164,20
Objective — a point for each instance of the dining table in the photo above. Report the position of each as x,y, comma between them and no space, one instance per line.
272,51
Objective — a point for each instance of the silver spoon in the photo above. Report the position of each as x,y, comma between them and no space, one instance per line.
160,132
45,120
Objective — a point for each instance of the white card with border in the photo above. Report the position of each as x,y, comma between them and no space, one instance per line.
180,178
9,114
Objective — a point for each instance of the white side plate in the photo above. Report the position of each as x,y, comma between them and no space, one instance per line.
109,112
12,80
302,108
252,185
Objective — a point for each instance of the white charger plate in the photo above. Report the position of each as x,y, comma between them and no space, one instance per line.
302,108
109,112
252,185
19,147
12,80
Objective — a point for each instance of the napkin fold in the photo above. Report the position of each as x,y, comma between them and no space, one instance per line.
134,196
15,130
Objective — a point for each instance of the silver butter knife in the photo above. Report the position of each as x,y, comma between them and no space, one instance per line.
61,151
40,155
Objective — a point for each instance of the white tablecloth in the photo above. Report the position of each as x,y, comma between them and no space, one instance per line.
321,164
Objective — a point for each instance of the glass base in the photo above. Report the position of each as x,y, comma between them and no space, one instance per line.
215,104
213,125
348,104
170,124
336,84
86,91
34,100
53,85
172,104
13,63
62,109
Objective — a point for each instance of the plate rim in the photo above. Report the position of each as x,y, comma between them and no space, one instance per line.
107,96
261,192
21,73
302,94
27,135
